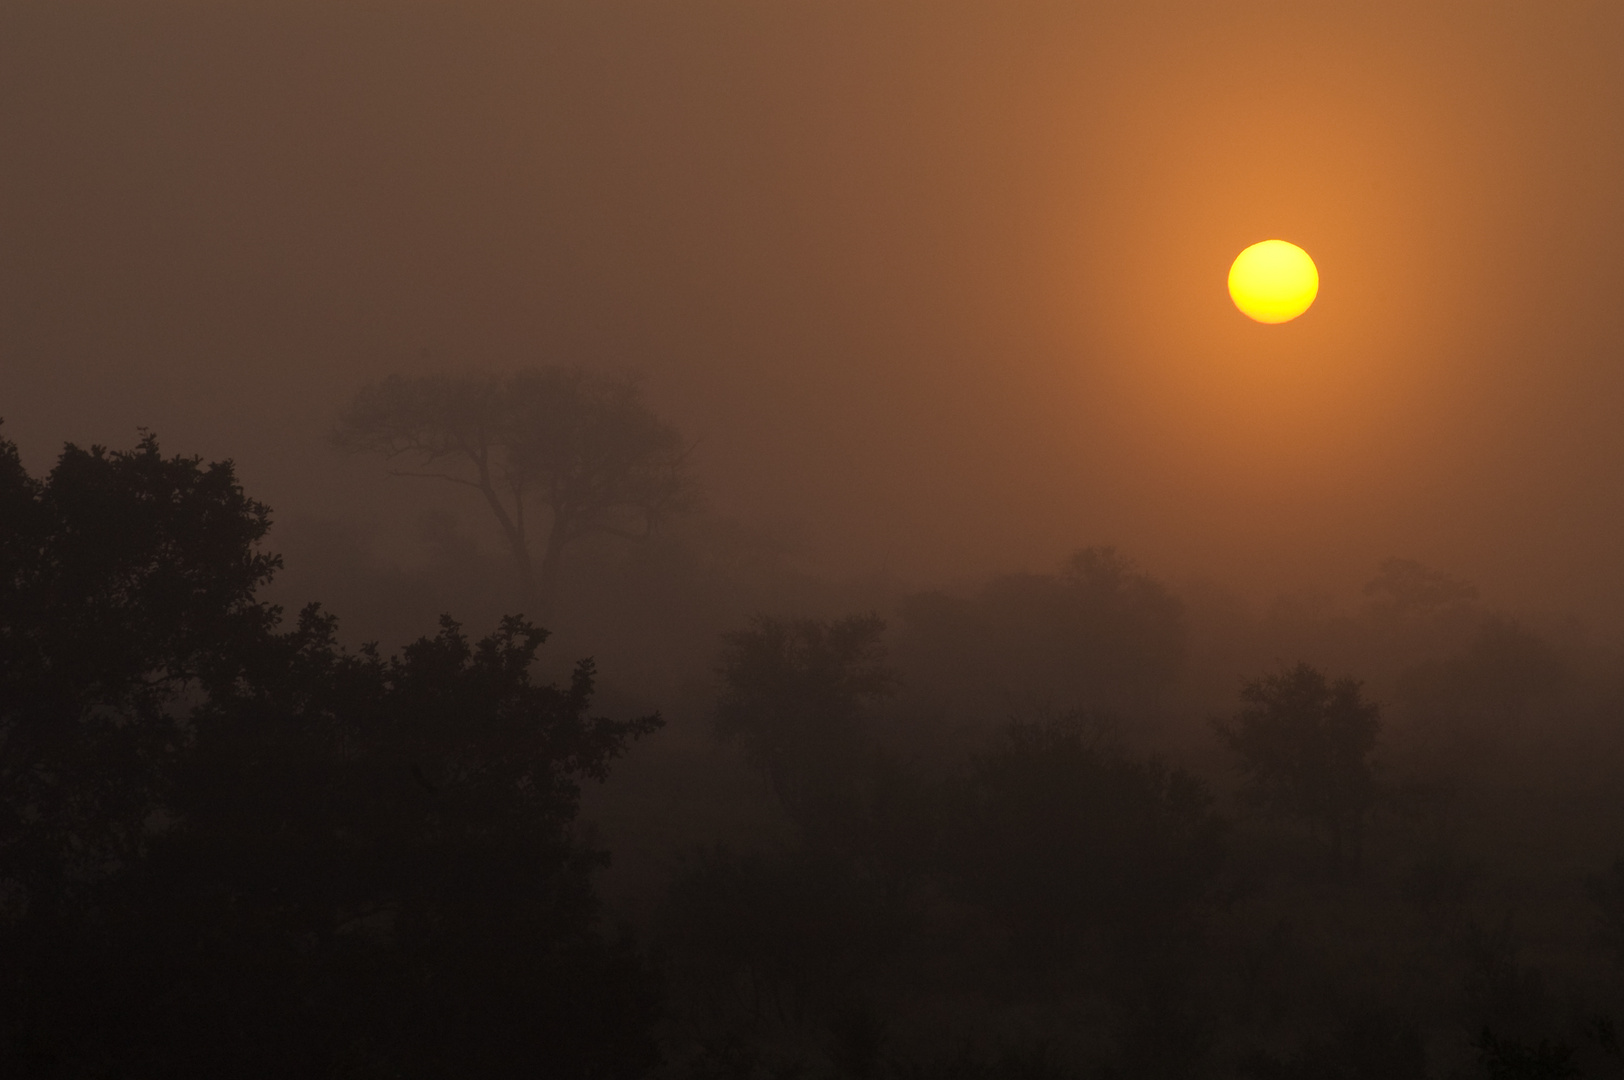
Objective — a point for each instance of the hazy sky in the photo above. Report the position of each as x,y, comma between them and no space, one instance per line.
939,286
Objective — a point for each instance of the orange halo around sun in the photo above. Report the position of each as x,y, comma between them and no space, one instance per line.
1273,282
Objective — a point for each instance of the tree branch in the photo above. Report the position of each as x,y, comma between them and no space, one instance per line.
435,476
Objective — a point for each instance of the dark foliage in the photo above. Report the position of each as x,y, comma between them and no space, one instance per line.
1077,848
796,698
1100,634
126,586
1032,1062
236,850
230,846
1304,745
1501,993
1371,1045
779,939
1507,1059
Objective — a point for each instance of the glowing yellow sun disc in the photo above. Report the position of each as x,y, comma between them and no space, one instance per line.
1273,282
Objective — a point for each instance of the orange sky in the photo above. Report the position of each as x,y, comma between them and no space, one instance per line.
939,285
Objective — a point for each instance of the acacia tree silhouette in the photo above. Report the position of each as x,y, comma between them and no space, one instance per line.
583,448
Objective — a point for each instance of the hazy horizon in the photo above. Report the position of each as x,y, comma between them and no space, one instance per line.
937,289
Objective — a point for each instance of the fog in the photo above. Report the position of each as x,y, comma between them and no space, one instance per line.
937,288
974,447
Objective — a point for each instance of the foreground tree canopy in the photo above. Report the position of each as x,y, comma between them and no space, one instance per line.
582,449
227,848
231,847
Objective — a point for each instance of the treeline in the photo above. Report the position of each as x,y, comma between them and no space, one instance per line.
230,845
1051,902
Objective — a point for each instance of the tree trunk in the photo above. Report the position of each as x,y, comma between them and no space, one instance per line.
530,596
552,560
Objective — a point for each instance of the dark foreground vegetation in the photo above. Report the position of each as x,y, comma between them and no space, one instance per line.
1057,825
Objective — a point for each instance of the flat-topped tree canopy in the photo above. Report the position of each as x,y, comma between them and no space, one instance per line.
580,446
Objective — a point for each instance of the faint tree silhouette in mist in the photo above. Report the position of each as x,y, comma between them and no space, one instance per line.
796,698
582,448
1489,687
1099,635
1304,744
1407,588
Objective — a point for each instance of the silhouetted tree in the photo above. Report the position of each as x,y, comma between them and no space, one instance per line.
1071,844
127,586
1099,634
582,449
784,937
409,820
796,697
230,849
1305,745
1508,1059
1490,685
1405,588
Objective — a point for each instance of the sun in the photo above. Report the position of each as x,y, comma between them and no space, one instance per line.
1273,282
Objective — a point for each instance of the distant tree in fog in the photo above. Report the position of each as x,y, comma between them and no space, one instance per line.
795,697
1492,683
1405,587
1100,634
583,449
1304,744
